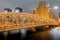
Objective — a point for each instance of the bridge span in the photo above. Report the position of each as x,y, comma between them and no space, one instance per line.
42,17
15,21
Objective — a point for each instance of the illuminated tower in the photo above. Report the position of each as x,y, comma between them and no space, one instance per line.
42,10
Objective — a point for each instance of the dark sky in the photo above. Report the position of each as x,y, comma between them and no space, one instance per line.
27,5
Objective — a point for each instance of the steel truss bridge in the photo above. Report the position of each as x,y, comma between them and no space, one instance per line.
15,20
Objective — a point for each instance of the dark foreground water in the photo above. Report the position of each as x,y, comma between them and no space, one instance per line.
38,35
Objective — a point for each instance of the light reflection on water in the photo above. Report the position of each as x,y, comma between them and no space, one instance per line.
15,31
22,31
54,33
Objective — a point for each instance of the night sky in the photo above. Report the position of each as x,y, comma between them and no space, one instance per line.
27,5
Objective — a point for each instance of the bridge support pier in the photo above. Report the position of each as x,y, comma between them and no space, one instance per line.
5,34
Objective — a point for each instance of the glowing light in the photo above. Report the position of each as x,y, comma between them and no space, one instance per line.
55,7
17,11
50,8
5,11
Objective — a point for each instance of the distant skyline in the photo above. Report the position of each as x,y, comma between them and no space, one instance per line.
27,5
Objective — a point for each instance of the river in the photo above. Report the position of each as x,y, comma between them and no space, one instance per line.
30,35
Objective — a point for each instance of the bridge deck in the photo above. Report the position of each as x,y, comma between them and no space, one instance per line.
15,21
